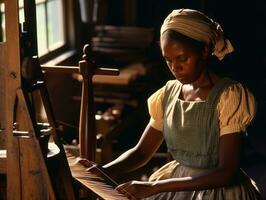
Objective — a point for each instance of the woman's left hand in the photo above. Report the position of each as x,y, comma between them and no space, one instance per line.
137,189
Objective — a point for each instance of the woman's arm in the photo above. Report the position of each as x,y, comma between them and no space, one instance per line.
137,156
224,174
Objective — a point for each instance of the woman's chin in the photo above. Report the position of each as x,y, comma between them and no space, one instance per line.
185,79
181,79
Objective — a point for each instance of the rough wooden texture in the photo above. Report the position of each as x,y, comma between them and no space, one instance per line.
34,175
2,86
27,176
12,81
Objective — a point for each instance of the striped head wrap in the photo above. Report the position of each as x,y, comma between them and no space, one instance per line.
196,25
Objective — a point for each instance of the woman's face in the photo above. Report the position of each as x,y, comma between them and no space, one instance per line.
185,63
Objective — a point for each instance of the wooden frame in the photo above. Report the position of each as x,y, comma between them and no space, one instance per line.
24,165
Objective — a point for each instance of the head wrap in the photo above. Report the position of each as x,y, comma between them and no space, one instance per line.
196,25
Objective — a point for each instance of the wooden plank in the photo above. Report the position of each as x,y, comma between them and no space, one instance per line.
2,86
26,173
127,75
60,69
104,75
12,81
75,69
34,174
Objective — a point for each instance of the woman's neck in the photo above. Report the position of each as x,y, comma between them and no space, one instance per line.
199,89
206,79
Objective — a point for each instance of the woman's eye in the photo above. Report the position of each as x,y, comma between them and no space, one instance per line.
182,58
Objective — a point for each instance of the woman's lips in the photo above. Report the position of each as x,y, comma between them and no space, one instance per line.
177,75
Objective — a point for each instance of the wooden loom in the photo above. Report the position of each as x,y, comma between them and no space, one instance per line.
26,165
36,169
103,185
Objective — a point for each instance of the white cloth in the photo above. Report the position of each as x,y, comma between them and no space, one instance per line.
196,25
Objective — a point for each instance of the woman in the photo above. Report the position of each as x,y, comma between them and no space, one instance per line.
201,116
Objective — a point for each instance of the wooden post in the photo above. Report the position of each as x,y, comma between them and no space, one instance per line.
27,176
87,125
12,82
87,130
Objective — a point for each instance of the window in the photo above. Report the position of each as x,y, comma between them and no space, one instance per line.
50,24
50,29
2,23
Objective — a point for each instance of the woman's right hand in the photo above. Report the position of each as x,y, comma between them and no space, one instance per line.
94,168
90,165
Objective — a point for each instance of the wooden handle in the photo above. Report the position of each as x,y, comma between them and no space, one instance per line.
74,69
87,130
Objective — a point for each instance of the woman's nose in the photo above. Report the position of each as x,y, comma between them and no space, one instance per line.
176,66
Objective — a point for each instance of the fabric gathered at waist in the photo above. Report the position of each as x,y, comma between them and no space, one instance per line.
175,169
243,188
194,159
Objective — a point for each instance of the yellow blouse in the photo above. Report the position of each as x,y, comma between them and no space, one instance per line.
236,109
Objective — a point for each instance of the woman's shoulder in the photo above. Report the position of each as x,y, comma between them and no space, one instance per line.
239,93
236,87
172,84
169,86
227,84
236,108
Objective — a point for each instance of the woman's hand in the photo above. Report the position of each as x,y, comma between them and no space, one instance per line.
92,167
137,189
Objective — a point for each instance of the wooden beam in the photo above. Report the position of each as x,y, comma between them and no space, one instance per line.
2,87
27,176
12,82
75,69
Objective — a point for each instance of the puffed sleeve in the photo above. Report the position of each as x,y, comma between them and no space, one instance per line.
236,109
155,107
